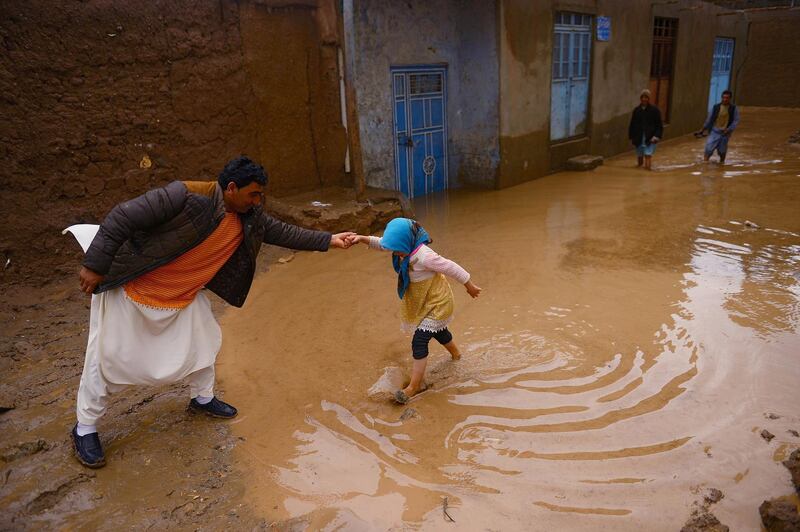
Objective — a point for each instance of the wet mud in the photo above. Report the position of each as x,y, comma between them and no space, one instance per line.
635,331
167,468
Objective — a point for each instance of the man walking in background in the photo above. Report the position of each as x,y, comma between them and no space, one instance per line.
721,121
150,323
645,130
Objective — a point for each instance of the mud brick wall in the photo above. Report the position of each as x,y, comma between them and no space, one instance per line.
101,100
770,76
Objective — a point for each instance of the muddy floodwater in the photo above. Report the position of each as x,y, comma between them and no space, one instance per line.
637,331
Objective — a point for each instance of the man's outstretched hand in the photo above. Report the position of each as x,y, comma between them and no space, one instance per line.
89,280
342,240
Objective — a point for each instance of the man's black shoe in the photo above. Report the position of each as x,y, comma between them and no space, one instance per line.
88,449
214,408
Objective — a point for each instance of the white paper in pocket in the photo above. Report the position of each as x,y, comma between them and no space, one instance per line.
83,233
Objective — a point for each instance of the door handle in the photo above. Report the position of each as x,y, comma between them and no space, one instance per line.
407,142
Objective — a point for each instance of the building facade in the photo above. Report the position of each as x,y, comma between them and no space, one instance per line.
496,93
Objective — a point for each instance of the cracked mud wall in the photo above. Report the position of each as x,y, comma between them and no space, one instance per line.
102,100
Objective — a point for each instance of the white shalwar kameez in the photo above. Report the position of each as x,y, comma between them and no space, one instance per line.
133,344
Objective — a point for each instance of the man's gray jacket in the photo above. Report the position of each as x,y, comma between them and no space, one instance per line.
146,232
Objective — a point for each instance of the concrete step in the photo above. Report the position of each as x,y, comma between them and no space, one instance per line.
585,162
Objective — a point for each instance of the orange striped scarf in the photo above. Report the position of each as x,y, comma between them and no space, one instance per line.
175,284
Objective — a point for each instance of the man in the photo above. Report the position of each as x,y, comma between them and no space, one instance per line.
149,322
645,130
721,121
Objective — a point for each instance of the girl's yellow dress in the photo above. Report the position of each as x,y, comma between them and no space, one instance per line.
427,304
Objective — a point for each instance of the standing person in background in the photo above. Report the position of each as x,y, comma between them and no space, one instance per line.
721,121
150,322
645,129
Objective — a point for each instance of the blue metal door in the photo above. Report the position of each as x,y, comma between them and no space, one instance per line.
569,97
420,126
720,70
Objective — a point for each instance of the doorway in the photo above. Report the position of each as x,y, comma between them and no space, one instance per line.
420,125
665,33
569,93
720,70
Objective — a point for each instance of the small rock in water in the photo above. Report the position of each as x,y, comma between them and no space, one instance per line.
772,416
409,413
713,496
767,435
704,521
794,433
751,225
388,383
779,515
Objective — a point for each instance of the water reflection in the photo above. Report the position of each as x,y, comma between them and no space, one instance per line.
754,269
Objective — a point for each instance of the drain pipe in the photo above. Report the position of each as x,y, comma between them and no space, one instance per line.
343,107
746,49
345,10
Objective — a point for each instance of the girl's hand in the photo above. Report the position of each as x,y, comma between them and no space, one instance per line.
341,240
473,289
358,239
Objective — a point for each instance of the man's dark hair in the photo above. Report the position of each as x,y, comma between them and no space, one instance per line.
242,171
729,93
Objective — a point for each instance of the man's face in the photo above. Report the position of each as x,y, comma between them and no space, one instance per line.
645,99
726,99
243,199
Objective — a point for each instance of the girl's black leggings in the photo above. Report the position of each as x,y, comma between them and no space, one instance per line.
419,343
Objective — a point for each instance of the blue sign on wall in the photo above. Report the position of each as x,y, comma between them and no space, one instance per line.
603,28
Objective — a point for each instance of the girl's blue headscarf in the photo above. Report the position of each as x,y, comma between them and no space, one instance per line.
404,236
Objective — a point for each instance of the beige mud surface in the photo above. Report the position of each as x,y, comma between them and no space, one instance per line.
631,345
634,338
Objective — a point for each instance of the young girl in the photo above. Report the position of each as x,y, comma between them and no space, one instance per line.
425,294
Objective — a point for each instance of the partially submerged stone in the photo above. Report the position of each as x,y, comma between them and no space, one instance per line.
793,465
409,413
389,382
767,435
779,515
713,496
704,521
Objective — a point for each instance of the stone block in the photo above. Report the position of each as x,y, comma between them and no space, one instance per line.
582,163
